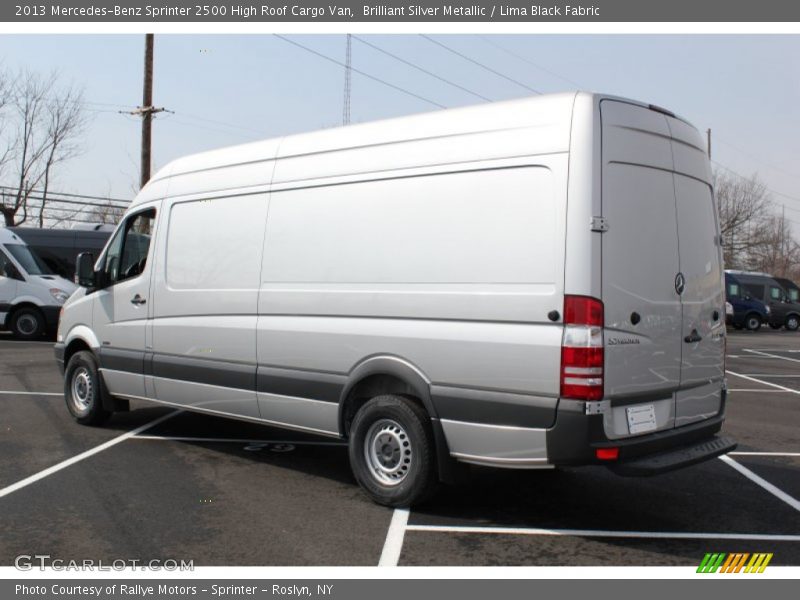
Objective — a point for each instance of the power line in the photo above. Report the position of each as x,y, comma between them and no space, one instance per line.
362,73
777,193
756,158
35,191
529,61
422,70
481,65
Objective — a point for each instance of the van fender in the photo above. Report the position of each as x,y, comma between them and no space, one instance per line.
84,333
395,366
28,300
414,377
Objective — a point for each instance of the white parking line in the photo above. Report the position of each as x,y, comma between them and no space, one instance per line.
778,493
234,440
775,385
768,355
756,390
91,452
763,453
13,393
677,535
394,538
779,375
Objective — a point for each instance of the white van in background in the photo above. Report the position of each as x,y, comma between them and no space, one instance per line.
31,296
523,284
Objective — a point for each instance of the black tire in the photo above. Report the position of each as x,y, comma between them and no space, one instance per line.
84,391
27,323
403,471
792,322
752,322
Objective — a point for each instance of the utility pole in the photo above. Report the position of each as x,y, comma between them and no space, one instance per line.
147,110
708,133
348,77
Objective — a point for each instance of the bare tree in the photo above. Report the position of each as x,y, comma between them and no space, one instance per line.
745,209
777,252
108,213
46,122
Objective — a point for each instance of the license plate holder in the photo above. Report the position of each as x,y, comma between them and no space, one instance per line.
641,418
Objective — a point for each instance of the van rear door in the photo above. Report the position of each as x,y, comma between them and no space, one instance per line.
662,275
640,261
703,300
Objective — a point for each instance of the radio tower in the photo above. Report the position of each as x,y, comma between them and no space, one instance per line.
348,76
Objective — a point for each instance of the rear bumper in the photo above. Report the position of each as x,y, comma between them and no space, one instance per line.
684,456
576,437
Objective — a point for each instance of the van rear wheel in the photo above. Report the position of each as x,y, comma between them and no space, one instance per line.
392,451
27,323
752,322
83,390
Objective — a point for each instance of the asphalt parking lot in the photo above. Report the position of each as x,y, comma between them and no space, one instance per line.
157,484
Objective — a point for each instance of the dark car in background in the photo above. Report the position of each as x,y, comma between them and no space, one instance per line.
791,288
746,312
58,248
764,287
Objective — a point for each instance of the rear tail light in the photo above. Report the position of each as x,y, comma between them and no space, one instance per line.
582,353
607,453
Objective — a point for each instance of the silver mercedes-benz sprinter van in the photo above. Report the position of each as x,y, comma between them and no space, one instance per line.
523,284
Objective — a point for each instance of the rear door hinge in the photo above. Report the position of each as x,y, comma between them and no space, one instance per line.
599,224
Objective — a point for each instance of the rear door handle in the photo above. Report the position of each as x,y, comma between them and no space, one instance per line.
692,337
138,300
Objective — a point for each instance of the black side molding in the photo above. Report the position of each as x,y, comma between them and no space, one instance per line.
683,456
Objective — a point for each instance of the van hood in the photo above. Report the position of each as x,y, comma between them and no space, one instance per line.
56,281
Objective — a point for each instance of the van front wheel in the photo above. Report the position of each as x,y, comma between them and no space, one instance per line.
83,391
792,322
752,322
392,451
27,323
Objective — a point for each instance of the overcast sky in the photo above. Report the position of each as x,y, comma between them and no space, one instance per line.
231,89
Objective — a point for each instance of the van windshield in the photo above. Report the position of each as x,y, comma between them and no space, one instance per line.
32,264
733,290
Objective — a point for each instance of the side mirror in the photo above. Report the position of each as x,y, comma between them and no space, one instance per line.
84,270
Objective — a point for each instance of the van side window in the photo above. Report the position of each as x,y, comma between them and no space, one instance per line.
733,290
127,252
775,293
756,291
794,296
6,267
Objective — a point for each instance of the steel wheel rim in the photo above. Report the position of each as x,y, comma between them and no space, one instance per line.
27,324
387,449
753,323
792,323
82,389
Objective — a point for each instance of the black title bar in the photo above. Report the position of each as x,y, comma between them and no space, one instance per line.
419,11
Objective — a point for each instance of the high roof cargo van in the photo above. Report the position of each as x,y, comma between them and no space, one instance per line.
526,284
59,248
31,295
784,312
